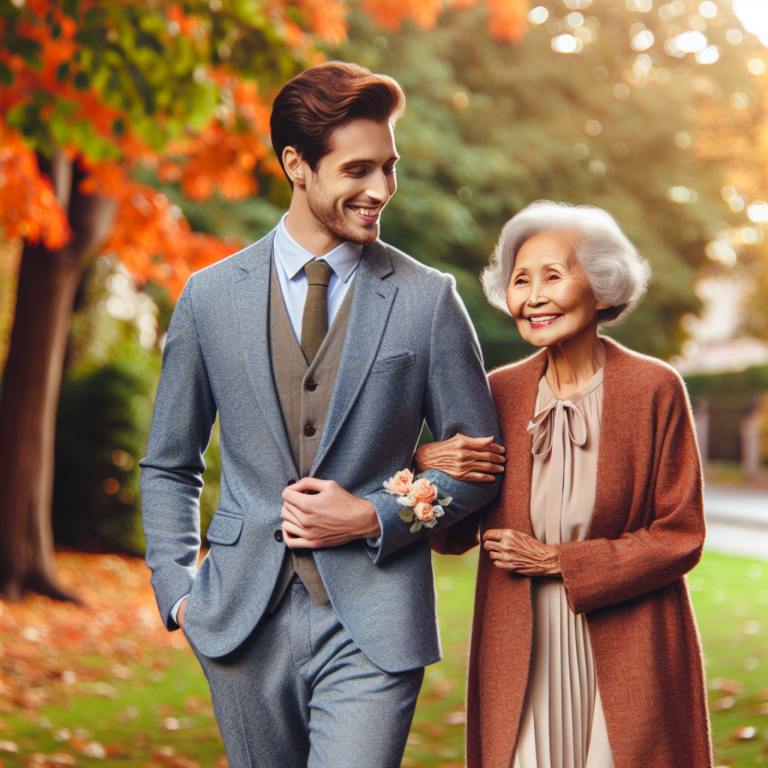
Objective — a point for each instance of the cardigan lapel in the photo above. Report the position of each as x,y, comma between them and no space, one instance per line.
371,304
252,299
616,446
519,443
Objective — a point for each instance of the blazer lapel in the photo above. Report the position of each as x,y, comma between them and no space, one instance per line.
371,305
252,299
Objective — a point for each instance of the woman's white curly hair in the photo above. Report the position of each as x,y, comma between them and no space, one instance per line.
618,274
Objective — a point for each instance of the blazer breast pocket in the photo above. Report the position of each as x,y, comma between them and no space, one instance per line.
225,528
395,363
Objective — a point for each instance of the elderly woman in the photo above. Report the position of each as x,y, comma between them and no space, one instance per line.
584,652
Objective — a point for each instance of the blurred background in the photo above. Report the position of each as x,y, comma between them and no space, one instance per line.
134,150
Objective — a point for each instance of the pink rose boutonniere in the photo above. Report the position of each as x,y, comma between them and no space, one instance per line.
418,499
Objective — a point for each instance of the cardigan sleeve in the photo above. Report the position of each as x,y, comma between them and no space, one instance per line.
601,572
458,538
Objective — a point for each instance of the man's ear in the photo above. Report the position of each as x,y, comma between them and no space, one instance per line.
294,166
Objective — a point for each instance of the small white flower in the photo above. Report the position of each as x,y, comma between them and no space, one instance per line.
405,501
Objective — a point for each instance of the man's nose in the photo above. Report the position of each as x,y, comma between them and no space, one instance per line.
378,188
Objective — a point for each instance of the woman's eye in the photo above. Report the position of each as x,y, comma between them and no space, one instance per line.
553,277
521,281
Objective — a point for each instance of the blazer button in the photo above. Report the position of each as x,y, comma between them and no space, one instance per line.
309,430
311,385
279,536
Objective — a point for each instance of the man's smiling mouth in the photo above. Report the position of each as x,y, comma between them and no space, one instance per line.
369,214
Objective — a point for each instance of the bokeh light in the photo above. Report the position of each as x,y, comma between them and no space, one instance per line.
691,41
709,55
538,15
567,44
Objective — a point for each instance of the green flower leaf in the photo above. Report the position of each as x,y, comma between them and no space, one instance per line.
416,526
445,502
406,514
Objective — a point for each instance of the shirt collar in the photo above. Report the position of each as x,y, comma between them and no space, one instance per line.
343,260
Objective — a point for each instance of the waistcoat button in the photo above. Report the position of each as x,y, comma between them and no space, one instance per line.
311,385
309,430
279,536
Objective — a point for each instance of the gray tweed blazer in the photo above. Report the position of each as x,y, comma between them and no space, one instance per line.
410,355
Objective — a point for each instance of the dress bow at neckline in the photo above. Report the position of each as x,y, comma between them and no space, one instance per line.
559,416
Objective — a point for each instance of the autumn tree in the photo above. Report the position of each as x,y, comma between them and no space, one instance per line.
90,91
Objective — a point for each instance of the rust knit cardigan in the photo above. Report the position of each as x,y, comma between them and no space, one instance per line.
647,531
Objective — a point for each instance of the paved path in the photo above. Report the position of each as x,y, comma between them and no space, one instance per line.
737,521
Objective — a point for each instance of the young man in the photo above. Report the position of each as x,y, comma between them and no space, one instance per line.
323,350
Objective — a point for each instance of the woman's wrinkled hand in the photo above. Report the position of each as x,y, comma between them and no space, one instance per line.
474,459
516,551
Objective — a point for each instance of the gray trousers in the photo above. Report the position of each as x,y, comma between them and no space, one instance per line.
300,694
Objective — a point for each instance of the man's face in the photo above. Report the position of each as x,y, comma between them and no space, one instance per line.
354,181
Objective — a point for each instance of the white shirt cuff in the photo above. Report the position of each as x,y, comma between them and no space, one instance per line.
175,609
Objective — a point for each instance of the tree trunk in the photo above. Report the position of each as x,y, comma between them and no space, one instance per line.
48,282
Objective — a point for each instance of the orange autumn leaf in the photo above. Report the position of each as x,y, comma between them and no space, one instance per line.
390,13
507,19
28,205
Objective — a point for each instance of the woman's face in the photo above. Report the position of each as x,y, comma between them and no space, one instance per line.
549,294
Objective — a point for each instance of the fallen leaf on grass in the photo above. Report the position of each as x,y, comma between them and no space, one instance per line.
718,705
727,687
121,671
61,758
90,749
9,746
457,717
433,730
222,762
745,733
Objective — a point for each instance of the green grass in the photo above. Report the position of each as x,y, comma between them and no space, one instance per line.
130,717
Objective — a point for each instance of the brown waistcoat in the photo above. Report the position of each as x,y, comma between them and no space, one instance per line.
304,392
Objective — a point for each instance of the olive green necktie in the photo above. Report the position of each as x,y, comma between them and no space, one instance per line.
314,323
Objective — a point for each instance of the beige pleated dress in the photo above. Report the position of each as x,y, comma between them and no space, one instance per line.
563,724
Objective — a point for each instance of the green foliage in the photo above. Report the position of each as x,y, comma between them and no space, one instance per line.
103,421
738,386
490,128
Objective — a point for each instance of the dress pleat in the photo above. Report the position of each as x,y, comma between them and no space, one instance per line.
563,724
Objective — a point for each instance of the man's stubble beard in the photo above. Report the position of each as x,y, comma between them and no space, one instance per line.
323,210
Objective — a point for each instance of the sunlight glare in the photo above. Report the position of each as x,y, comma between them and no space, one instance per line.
753,14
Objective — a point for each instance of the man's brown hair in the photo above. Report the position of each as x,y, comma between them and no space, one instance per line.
311,106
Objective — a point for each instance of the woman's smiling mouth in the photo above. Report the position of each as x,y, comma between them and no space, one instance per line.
542,321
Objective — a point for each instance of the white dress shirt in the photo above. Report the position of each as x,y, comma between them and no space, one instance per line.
290,258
